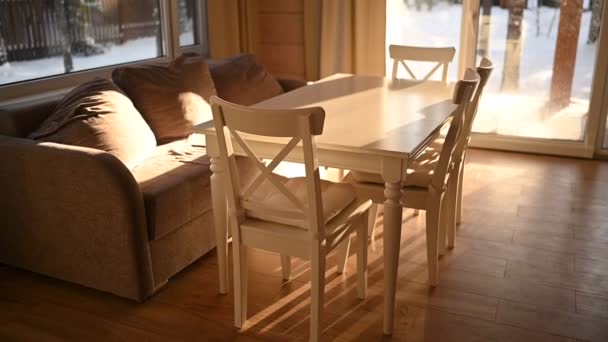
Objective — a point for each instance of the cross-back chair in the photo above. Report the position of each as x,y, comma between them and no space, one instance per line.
303,217
442,56
426,182
455,200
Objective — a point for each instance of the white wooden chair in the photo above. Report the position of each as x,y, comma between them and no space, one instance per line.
484,70
442,56
301,217
427,179
454,198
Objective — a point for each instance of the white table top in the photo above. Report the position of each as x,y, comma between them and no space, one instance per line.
371,114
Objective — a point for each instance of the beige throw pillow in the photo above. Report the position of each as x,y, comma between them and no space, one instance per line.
97,114
171,98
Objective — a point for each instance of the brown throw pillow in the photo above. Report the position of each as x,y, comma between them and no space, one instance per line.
171,98
97,114
241,80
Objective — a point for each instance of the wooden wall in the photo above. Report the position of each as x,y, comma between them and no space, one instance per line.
279,37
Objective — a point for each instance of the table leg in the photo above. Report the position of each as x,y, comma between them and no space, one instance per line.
393,212
220,213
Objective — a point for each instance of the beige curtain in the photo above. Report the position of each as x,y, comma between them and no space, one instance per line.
352,37
230,31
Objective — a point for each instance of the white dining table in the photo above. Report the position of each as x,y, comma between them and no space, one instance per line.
372,124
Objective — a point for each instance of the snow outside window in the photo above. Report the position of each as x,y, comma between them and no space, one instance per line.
42,38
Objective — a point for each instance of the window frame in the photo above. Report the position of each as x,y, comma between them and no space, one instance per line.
169,17
202,46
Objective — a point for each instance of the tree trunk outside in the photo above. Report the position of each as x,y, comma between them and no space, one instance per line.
484,37
119,13
510,76
3,52
565,52
596,19
159,35
62,9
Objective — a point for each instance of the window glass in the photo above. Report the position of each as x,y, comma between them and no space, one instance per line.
41,38
188,23
425,23
544,53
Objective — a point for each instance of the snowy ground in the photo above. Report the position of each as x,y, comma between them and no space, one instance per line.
130,51
519,113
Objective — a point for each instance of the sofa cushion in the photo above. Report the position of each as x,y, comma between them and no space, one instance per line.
172,98
175,184
241,80
97,114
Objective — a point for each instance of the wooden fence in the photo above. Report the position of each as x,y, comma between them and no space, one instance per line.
32,29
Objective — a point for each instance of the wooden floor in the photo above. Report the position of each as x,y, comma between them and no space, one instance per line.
530,264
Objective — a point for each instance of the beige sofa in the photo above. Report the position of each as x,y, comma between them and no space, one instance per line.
80,215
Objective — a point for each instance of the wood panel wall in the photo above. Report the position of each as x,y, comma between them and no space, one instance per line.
279,37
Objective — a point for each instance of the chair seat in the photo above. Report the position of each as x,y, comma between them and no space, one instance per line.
276,207
292,240
174,187
418,174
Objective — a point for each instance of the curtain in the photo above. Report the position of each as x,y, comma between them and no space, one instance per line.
352,37
229,30
346,36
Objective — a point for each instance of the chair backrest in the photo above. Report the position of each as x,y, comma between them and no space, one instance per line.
484,70
442,56
301,125
463,94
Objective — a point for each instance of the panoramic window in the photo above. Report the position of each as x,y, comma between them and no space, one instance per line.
544,53
41,38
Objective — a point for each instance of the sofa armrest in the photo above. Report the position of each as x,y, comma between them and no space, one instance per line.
73,213
291,84
19,119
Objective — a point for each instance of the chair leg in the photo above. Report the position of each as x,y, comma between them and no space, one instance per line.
286,266
432,229
450,218
317,291
240,281
341,173
459,195
371,220
342,254
362,257
442,227
220,216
